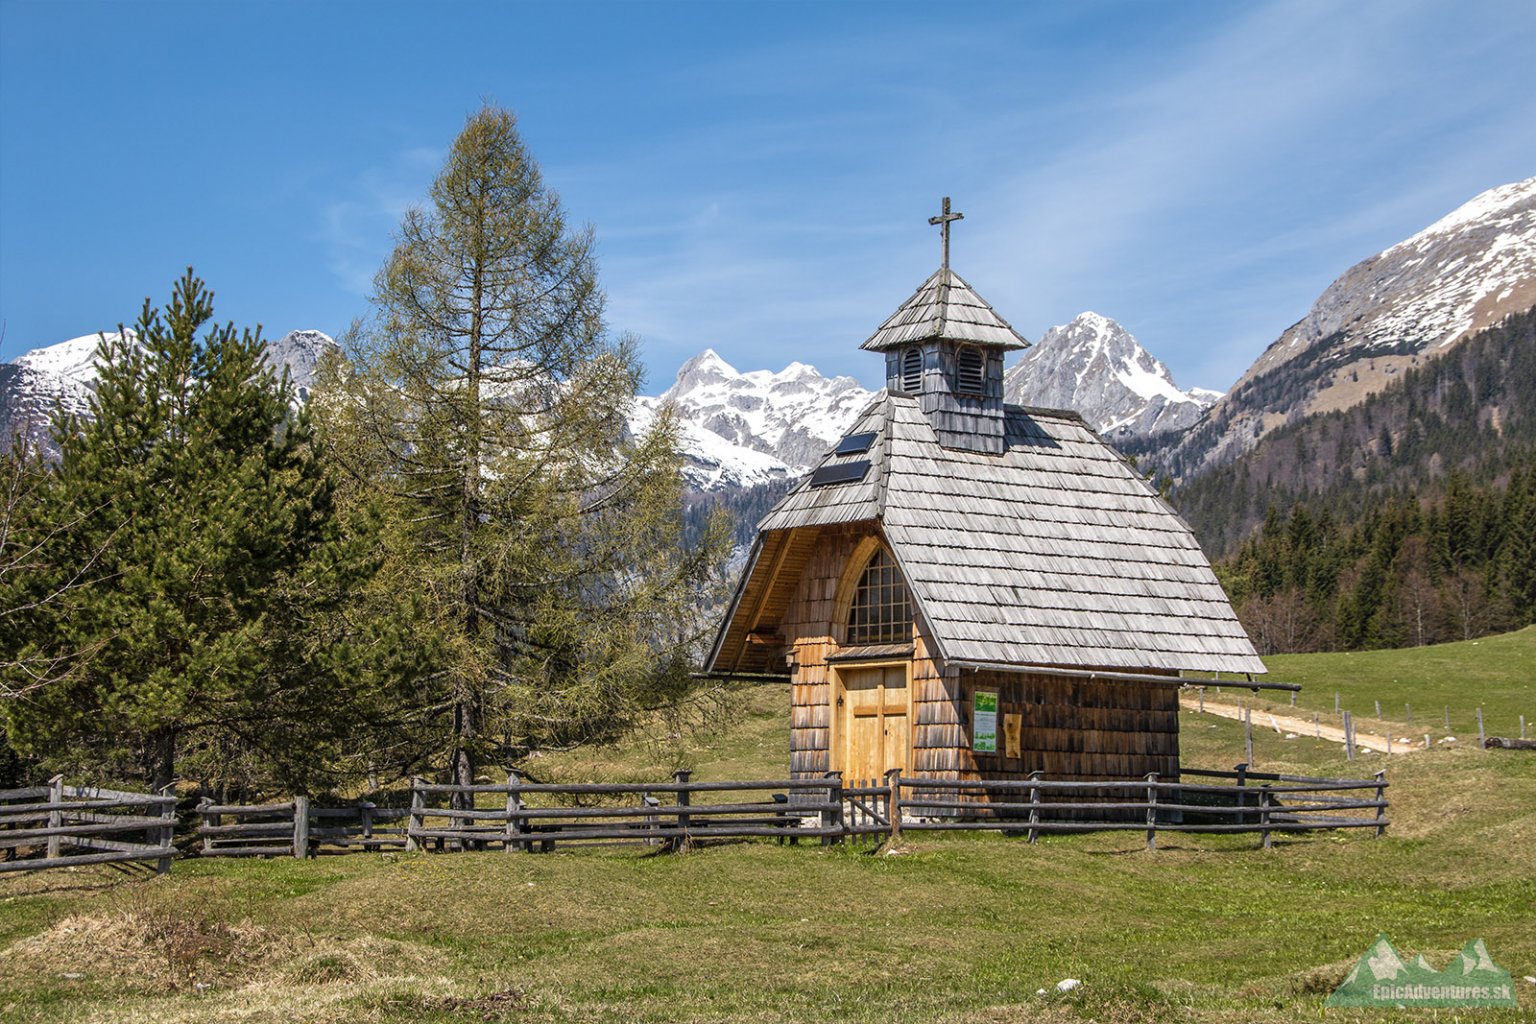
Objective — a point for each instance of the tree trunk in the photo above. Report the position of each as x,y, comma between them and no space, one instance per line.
162,755
467,703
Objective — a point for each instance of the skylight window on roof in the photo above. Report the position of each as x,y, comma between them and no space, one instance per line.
840,473
855,444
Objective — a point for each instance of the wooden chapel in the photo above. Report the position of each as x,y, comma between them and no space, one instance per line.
963,589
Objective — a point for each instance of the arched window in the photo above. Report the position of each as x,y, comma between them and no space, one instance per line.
912,370
881,613
970,372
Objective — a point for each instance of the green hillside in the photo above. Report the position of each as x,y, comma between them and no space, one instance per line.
1495,673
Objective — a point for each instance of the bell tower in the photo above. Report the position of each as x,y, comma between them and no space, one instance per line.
944,346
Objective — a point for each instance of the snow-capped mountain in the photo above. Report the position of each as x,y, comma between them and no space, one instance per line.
1410,302
1096,367
300,352
756,427
64,375
32,384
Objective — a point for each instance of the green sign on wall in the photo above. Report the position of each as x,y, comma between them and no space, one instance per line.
984,723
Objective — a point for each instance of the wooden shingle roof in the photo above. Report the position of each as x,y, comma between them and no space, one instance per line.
1055,553
944,306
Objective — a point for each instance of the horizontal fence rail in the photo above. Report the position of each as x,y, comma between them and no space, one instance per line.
57,826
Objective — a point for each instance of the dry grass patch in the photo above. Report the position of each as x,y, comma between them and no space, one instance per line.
154,950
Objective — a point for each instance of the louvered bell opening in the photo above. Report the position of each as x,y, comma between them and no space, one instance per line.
912,370
970,372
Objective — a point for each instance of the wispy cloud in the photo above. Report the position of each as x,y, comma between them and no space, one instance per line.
356,224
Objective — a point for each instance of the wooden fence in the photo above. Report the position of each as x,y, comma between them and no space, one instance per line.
57,826
529,816
296,828
537,816
1253,802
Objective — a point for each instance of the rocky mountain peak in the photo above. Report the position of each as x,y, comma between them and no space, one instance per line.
705,368
1410,302
300,353
1097,368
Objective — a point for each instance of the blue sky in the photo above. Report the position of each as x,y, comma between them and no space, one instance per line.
759,175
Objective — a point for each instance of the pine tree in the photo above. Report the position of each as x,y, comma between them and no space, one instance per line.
190,607
486,403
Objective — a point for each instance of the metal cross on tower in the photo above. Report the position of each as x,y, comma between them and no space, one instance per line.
943,220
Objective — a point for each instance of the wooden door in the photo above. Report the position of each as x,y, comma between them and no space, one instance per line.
876,737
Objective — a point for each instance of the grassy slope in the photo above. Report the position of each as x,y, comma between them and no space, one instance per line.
1496,673
951,928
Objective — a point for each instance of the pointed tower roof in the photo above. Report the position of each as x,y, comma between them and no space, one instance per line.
944,306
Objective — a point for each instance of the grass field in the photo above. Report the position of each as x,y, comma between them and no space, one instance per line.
951,928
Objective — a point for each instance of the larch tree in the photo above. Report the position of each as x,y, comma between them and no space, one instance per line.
486,402
186,572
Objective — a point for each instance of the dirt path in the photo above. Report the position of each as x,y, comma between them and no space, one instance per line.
1300,726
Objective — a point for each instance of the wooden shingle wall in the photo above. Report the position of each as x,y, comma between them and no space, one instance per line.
969,423
938,738
807,628
1077,728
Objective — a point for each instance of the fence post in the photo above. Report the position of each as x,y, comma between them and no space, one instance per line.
301,827
1522,727
365,810
893,811
1248,734
514,814
1482,740
1335,701
684,799
1349,738
1034,798
1381,799
1447,718
1202,700
1317,725
1409,708
1293,698
413,823
832,817
1264,799
1426,741
55,814
167,831
1389,742
208,820
1378,711
1151,810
